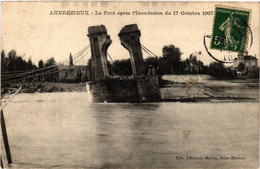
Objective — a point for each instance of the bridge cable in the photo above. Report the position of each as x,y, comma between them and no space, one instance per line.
110,57
36,70
202,87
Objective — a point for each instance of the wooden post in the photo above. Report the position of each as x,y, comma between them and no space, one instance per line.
5,138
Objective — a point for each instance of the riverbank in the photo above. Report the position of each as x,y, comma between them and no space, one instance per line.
204,87
32,87
186,88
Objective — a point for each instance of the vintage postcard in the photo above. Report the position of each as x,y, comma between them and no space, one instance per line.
130,85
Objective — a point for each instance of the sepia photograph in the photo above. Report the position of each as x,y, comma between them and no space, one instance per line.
134,85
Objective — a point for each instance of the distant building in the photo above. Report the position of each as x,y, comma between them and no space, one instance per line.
245,64
192,65
74,73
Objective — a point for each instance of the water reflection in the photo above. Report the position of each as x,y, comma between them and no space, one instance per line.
123,132
72,133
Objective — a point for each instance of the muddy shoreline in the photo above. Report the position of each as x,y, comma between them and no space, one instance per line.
42,87
209,90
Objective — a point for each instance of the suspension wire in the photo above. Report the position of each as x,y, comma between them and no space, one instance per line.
38,74
12,75
36,70
80,52
17,91
82,56
45,73
10,92
118,69
110,57
79,59
145,50
13,71
199,86
149,50
19,75
26,71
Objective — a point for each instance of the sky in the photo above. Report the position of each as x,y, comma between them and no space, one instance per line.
29,28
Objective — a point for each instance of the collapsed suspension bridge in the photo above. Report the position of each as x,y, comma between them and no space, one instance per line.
18,76
23,75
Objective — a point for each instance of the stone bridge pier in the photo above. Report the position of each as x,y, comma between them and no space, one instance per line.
130,39
140,88
99,43
147,86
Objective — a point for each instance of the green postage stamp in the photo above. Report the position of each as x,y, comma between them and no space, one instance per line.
230,30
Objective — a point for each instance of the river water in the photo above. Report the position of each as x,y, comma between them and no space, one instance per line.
64,130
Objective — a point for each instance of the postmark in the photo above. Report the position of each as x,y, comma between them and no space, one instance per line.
230,29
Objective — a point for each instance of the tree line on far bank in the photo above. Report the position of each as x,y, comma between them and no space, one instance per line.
15,68
169,63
